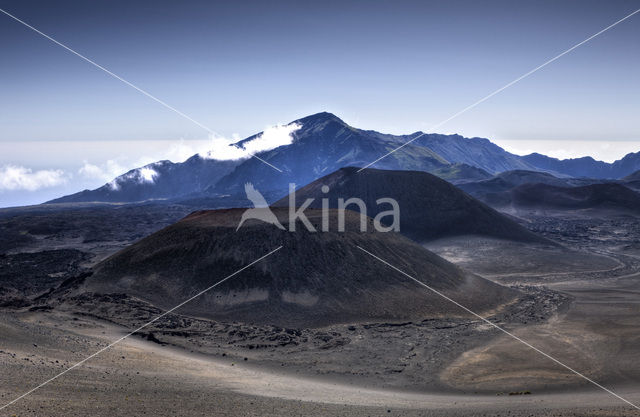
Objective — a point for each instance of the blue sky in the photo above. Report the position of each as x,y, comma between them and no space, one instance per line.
238,67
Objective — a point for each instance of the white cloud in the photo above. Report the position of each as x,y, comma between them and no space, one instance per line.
21,178
113,171
271,138
145,174
181,151
106,171
142,175
216,148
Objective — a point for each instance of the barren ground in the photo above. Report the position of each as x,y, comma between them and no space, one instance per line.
580,305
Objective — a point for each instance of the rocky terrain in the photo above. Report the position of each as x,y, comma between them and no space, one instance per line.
577,302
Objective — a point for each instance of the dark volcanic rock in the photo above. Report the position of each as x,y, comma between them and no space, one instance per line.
30,273
25,275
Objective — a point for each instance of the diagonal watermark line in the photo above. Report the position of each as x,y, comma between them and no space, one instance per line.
471,106
116,76
138,329
500,328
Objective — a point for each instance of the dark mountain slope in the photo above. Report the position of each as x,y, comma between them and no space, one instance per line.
595,196
632,177
627,165
429,206
316,279
459,173
478,152
160,180
508,180
632,181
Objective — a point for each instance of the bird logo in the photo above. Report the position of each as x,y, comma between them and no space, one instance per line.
260,210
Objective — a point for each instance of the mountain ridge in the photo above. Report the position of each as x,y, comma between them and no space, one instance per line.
323,144
586,166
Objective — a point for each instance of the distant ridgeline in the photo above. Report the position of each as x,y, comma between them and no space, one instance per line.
322,145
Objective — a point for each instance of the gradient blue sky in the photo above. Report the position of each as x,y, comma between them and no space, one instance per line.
240,66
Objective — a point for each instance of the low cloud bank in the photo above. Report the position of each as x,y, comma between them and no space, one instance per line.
20,178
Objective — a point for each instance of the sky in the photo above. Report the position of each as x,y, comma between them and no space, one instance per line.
239,67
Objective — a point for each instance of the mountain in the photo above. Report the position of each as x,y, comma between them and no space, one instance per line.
612,196
477,152
627,165
323,143
508,180
159,180
316,279
635,176
429,206
586,166
632,181
459,173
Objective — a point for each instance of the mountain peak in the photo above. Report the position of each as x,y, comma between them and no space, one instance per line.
320,118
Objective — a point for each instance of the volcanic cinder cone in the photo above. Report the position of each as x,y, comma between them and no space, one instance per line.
316,279
430,207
